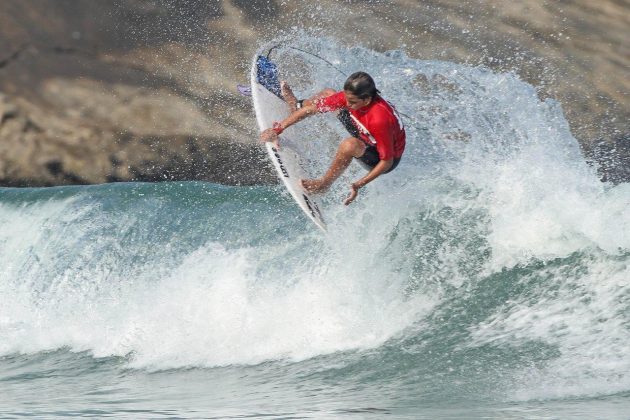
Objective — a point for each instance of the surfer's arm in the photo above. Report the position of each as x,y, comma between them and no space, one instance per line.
298,115
380,168
271,134
326,101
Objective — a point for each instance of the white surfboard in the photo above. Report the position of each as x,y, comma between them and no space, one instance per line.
269,107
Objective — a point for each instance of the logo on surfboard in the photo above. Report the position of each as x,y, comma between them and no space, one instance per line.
312,207
279,160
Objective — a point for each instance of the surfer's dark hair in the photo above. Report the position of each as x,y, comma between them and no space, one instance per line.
361,85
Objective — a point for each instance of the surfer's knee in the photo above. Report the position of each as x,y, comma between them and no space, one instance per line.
352,146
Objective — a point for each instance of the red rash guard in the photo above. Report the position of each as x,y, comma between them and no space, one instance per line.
377,122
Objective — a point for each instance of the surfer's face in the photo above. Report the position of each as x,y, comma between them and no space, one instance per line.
354,102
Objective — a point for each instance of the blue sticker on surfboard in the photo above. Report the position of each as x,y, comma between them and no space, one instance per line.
267,75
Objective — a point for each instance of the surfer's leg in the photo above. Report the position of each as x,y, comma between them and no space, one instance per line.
288,95
348,149
292,100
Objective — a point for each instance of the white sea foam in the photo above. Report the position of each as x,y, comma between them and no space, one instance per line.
582,312
216,307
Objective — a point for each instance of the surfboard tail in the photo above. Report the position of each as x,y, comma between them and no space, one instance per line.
267,75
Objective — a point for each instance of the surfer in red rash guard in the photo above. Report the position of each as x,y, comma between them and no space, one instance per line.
377,133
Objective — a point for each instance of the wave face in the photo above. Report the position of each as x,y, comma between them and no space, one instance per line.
490,266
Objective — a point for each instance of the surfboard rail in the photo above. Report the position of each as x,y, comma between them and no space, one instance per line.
269,106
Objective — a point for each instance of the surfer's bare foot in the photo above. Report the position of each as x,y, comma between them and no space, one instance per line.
315,185
288,96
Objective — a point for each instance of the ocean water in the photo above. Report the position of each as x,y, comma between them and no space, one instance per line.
487,277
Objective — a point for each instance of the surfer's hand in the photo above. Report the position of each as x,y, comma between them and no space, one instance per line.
354,191
270,135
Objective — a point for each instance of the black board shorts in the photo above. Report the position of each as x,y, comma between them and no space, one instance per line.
370,158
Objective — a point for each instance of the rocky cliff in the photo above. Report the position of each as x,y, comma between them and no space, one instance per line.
97,91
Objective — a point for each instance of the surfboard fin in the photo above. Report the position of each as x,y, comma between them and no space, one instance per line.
244,90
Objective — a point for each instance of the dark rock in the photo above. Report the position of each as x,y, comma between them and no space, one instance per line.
101,91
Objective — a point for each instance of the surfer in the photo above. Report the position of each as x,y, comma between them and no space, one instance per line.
377,133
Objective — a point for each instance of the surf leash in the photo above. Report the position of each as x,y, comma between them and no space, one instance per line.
306,52
246,91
